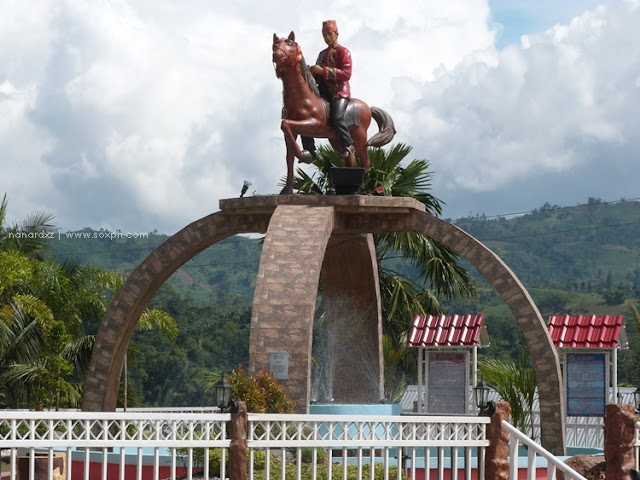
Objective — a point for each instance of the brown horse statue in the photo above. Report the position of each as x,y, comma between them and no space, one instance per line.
306,113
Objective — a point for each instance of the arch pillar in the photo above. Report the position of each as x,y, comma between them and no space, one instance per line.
299,250
285,296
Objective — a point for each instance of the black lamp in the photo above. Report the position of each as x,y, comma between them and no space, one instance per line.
481,394
222,389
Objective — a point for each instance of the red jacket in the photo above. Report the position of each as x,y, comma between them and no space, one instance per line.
336,63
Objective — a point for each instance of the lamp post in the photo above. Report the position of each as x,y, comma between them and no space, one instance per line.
237,429
481,394
222,389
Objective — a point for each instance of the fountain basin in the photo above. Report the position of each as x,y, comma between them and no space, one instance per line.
336,429
355,409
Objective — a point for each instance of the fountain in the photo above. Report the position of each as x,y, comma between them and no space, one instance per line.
346,374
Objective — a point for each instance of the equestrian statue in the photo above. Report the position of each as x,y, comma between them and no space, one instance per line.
317,104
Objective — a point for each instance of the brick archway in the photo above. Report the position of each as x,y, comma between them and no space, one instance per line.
344,215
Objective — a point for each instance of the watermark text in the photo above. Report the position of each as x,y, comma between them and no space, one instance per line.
91,235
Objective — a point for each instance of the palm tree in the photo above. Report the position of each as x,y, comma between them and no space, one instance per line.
29,236
45,309
37,316
438,273
516,384
398,360
634,339
149,320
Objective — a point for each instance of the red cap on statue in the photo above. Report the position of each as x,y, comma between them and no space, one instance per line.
329,26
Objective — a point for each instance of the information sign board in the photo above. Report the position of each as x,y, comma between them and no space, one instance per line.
586,384
447,383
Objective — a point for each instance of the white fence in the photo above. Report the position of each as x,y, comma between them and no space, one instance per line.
371,446
516,438
85,445
584,432
151,445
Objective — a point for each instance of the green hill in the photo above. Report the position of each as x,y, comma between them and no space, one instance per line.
223,273
586,247
572,260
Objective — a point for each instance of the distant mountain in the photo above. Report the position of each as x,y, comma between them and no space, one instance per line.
586,248
224,271
572,260
589,247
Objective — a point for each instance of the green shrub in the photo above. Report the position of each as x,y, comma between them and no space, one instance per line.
262,393
322,472
215,458
307,455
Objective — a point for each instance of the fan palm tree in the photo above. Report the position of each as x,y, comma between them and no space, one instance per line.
634,339
516,384
435,266
438,273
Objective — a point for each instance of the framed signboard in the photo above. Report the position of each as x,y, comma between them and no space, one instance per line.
279,365
447,382
586,384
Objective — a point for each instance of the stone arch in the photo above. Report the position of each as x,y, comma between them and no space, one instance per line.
543,353
350,215
119,322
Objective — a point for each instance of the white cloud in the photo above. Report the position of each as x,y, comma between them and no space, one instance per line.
541,108
142,114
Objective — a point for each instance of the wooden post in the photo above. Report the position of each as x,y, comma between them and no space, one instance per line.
497,460
619,439
238,447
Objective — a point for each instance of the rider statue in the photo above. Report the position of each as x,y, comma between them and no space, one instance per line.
332,72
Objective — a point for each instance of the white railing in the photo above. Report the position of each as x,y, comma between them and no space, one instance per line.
92,445
516,437
151,445
142,445
369,446
583,432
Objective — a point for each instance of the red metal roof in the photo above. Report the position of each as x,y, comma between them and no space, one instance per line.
585,331
445,331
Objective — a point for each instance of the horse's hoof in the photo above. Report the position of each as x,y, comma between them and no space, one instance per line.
307,157
348,152
287,191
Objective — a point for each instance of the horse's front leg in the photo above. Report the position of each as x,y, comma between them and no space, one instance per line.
293,151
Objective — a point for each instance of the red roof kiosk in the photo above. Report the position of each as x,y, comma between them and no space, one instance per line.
588,347
445,345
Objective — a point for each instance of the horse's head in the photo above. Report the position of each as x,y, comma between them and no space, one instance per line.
286,53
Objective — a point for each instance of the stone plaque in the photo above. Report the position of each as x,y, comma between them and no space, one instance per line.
279,365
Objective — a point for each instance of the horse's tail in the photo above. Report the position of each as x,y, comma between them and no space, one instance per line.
386,129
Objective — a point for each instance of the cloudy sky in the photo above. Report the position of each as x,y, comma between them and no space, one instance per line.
141,114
